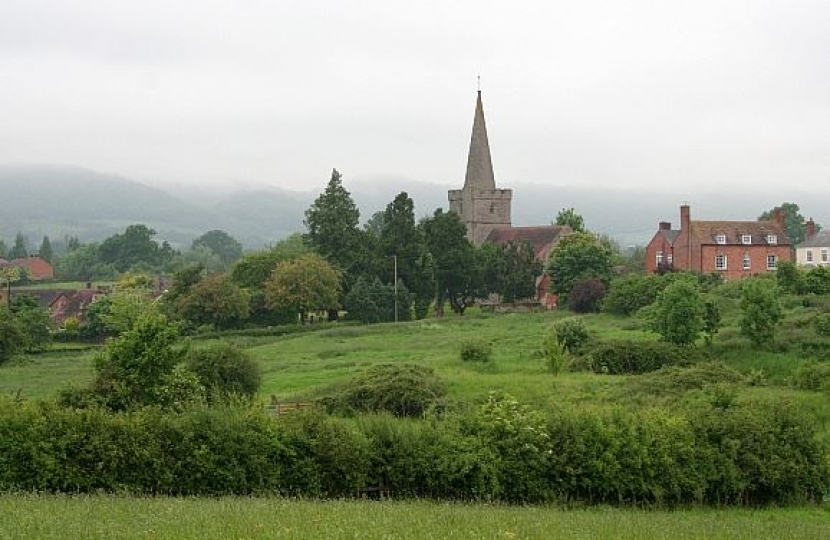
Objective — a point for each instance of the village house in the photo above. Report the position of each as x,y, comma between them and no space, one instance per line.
36,268
733,249
486,210
815,249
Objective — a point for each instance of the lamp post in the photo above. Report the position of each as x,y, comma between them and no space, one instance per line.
395,258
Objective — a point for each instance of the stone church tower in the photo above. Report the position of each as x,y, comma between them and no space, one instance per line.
481,206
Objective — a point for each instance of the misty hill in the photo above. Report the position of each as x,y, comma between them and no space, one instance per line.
57,201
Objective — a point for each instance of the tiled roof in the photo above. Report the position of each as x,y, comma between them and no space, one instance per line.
820,239
541,238
669,235
707,231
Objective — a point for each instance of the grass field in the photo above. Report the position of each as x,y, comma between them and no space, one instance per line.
105,517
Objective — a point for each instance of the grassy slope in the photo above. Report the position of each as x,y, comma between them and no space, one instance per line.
48,517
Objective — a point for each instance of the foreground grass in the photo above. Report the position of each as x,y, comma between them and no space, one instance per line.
58,517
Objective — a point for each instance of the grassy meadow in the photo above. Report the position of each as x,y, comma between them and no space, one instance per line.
104,517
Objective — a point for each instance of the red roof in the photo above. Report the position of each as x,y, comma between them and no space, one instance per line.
36,267
543,238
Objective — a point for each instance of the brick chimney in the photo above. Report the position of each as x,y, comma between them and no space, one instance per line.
665,226
685,217
809,228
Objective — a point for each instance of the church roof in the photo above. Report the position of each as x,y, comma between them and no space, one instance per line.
479,164
543,238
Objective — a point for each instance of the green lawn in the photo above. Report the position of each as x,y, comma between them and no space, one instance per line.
105,517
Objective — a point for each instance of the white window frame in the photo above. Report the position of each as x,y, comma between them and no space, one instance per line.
721,262
772,262
747,262
720,238
746,239
669,259
658,258
824,255
808,255
772,239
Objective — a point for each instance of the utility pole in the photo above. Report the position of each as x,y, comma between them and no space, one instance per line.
395,257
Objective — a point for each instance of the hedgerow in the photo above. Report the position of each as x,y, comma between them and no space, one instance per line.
729,453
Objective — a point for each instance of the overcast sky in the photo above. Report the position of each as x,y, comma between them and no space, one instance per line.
677,95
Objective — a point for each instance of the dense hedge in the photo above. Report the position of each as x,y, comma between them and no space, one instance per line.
623,356
738,455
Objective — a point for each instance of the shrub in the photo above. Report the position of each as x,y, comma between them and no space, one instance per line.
618,356
400,389
680,379
586,295
761,310
555,352
225,370
476,350
11,336
812,376
626,295
572,333
677,315
822,324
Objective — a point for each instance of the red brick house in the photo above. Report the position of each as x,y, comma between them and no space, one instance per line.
734,249
36,268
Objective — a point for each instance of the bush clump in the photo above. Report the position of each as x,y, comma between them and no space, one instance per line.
634,357
400,389
225,370
812,376
476,350
572,333
822,324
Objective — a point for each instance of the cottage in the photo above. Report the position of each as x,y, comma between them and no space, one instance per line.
815,249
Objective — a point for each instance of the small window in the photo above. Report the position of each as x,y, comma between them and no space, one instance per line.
669,258
720,262
772,262
772,239
824,256
659,258
492,208
721,238
747,262
746,239
809,255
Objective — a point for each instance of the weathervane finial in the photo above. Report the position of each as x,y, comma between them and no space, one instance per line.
479,82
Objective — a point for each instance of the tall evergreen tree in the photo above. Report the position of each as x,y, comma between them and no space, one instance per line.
4,249
19,250
455,261
332,232
45,252
402,244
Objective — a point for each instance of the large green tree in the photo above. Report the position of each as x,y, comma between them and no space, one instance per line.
455,261
303,285
578,256
19,249
793,220
224,245
332,223
134,246
403,246
761,309
677,315
569,217
214,300
510,270
46,252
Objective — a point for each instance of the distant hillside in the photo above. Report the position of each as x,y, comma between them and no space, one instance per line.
57,201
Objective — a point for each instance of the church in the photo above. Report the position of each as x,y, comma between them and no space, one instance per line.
486,209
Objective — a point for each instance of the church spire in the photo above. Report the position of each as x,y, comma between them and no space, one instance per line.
479,164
